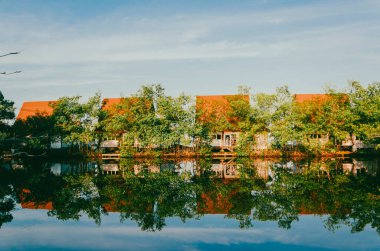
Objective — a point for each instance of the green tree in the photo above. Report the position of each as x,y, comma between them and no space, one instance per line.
77,122
273,113
174,120
365,103
153,119
36,132
145,130
7,198
76,196
7,113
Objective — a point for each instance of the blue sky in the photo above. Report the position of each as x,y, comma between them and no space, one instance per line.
196,47
34,230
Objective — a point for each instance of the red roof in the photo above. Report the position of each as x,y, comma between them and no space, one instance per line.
216,107
33,205
310,97
320,98
123,105
214,103
110,102
222,98
34,108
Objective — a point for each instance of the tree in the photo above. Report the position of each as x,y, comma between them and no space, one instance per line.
7,112
273,113
37,132
7,197
365,103
144,130
152,119
174,119
78,122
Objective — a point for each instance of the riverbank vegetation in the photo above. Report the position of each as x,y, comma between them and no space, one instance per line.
150,122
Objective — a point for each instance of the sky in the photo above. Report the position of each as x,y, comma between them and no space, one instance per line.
34,230
199,47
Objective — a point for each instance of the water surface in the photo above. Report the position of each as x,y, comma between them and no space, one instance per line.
328,204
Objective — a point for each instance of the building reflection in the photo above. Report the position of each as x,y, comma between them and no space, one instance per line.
219,168
110,168
152,190
65,168
225,169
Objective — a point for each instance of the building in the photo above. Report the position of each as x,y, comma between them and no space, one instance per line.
319,138
121,106
217,111
34,108
301,98
352,141
39,108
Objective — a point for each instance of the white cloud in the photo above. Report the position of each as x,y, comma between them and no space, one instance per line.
305,46
33,229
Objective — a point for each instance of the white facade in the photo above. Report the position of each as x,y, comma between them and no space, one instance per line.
225,139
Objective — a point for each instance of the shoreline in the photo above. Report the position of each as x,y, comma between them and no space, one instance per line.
268,154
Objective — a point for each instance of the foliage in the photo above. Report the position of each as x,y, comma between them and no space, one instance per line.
77,122
345,199
152,121
78,195
157,192
7,112
244,145
36,133
7,199
365,103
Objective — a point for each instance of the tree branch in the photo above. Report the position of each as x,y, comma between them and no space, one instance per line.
11,53
10,73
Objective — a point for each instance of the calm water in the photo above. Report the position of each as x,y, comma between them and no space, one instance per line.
329,204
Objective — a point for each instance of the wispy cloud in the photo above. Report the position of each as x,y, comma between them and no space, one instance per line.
33,229
312,43
249,33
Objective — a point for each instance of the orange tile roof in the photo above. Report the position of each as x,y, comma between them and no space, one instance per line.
110,102
34,108
216,102
320,98
33,205
222,98
219,205
310,97
214,107
122,105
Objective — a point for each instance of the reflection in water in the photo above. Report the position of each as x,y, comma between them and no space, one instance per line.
7,195
150,191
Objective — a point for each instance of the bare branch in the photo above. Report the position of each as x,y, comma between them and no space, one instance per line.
10,73
11,53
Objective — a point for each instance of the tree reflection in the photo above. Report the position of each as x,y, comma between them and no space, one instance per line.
78,195
7,201
150,198
346,199
149,192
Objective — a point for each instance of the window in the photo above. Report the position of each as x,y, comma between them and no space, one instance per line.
217,136
315,136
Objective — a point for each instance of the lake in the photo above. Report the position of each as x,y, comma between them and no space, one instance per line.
191,204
